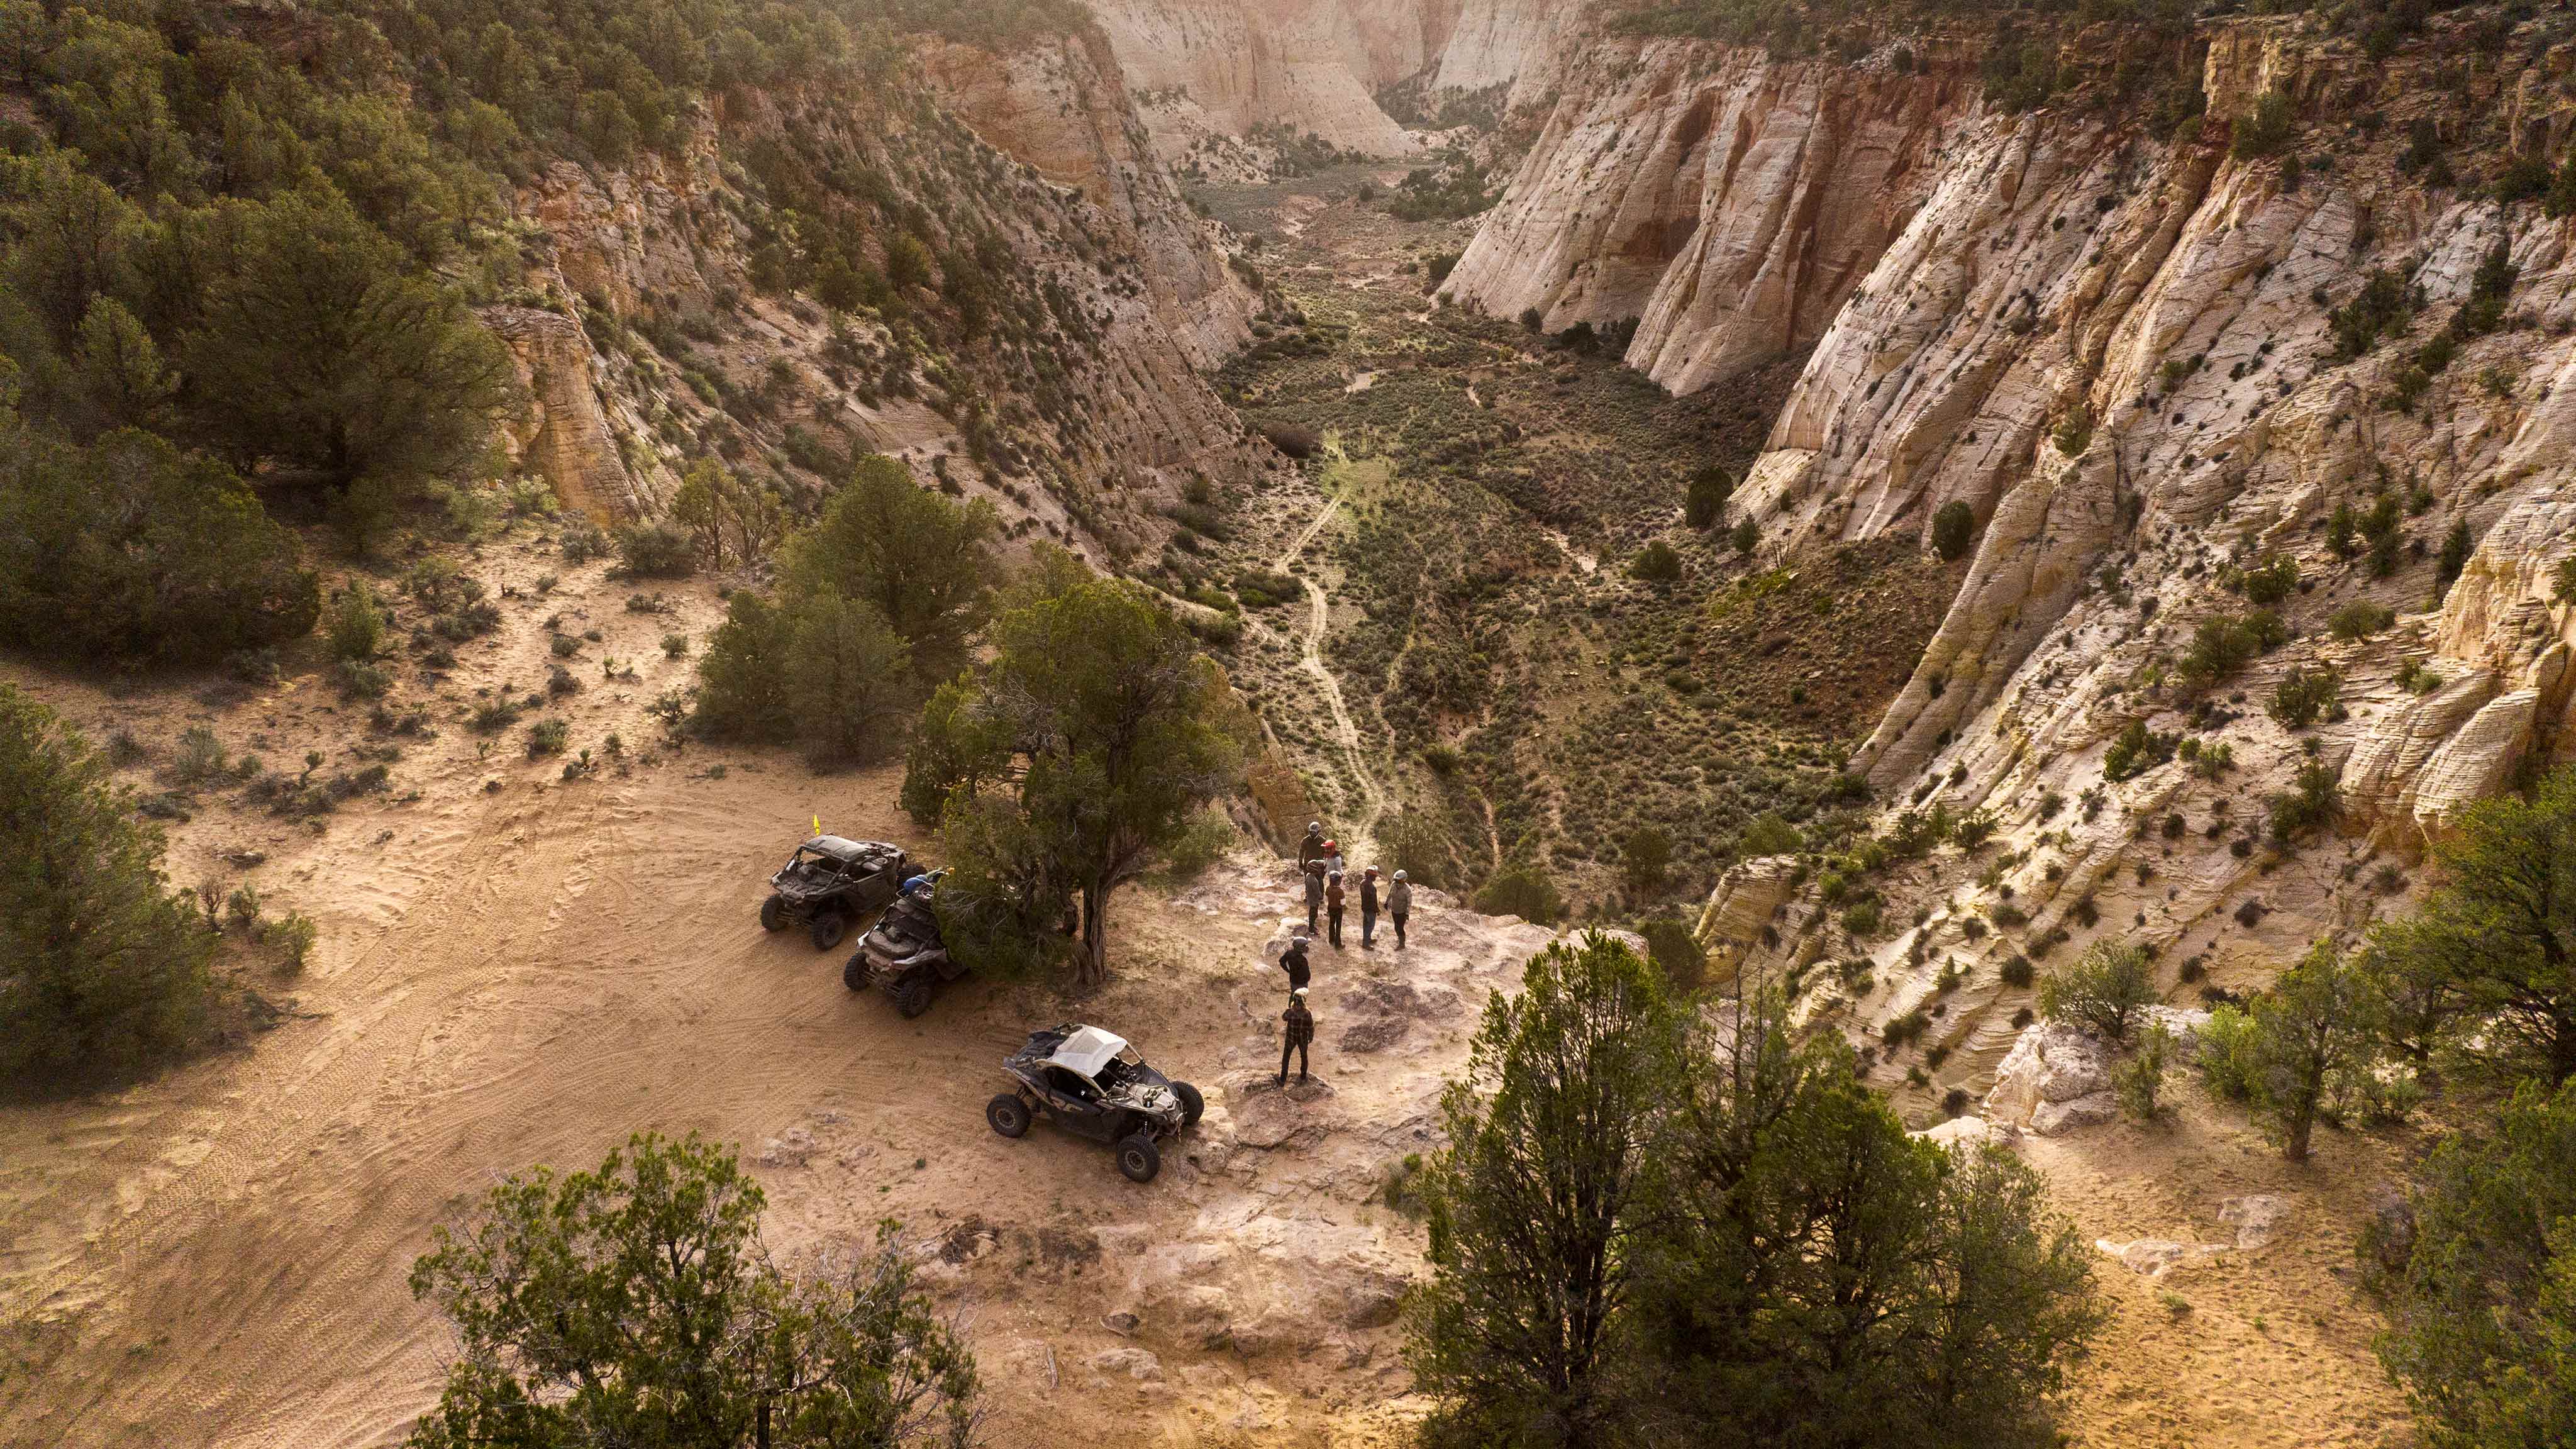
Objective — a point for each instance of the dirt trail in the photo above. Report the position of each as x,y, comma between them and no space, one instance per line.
1361,844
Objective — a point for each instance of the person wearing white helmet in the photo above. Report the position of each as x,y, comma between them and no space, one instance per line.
1299,1033
1399,904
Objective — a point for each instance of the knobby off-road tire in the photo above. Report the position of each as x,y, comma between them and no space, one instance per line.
912,998
856,974
828,929
1008,1114
1192,1104
1138,1158
773,914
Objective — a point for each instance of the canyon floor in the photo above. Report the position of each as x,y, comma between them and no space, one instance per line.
518,969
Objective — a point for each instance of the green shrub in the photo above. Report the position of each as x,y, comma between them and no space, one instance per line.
1203,840
1523,891
2457,545
2360,620
1710,487
2136,751
357,628
103,968
2313,800
847,680
1861,918
2305,695
2226,1055
548,737
2269,583
2018,973
655,551
1953,529
1747,535
2104,990
128,550
2139,1081
1675,952
1657,563
2221,646
2266,130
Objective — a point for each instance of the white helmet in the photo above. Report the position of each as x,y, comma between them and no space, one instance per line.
1399,875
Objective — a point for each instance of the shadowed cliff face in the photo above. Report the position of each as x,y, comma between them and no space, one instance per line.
2118,354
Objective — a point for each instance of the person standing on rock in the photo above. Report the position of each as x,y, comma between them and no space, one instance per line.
1311,849
1368,909
1333,898
1314,893
1299,1034
1399,904
1293,961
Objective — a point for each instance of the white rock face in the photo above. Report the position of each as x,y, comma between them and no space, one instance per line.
2055,1078
1729,207
2257,1218
1310,65
2118,355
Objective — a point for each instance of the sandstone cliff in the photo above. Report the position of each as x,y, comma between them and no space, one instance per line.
670,334
2120,353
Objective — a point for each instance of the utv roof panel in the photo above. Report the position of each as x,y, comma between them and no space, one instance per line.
1087,1049
847,850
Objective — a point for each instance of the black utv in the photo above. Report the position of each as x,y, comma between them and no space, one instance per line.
830,883
904,954
1093,1084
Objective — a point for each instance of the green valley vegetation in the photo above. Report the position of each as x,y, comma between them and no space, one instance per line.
636,1304
1062,764
1651,1226
104,970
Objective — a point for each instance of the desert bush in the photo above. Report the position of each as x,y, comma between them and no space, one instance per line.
636,1304
2139,1081
357,625
2135,751
1657,563
2360,620
742,676
548,737
1676,954
1521,890
2017,972
128,550
1710,487
103,968
1953,529
2313,800
2266,130
2268,583
2221,646
2104,990
2478,1275
654,551
2305,695
1204,839
848,682
1644,856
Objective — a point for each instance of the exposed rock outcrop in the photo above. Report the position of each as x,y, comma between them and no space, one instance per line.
2120,354
1309,65
1729,208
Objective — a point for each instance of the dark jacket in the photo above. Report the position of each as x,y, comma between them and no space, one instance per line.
1368,895
1399,899
1293,961
1333,893
1301,1024
1310,848
1314,887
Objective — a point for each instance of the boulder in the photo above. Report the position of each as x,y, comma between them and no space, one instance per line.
2256,1217
2090,1110
2155,1257
1136,1363
2052,1063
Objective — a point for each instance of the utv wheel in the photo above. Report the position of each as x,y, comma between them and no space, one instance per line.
1139,1159
912,998
1009,1115
1192,1104
827,930
855,975
773,914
